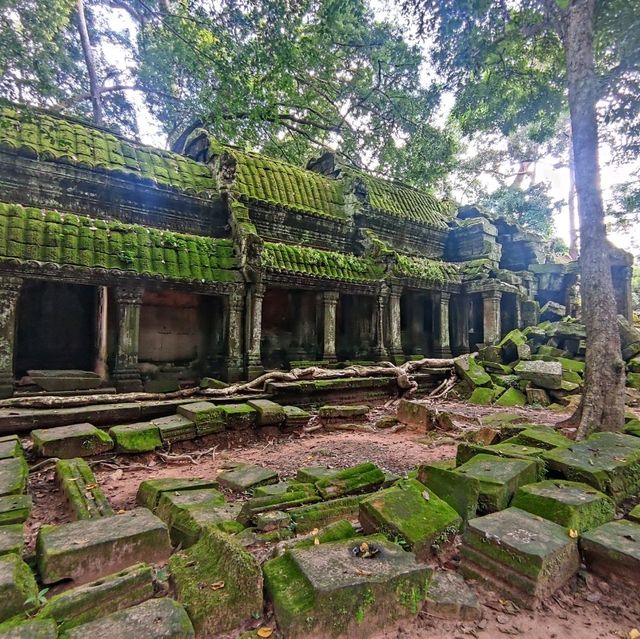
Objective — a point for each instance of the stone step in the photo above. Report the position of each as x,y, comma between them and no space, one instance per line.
153,619
13,476
78,483
141,437
53,381
86,550
75,440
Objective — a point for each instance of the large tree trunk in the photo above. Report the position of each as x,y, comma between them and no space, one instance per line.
573,227
94,86
602,406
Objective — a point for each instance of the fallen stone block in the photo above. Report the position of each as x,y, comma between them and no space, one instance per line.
338,530
18,587
207,417
482,396
244,477
634,514
175,428
218,582
610,462
633,380
268,413
352,588
275,489
412,513
632,427
86,550
15,509
540,373
10,446
312,474
538,396
30,629
499,479
272,520
519,555
540,437
331,414
467,452
485,436
13,476
295,417
238,416
307,518
155,619
299,495
171,502
471,372
458,490
188,524
351,481
511,397
11,539
509,345
66,442
574,505
80,487
613,551
55,381
141,437
150,490
449,597
502,419
96,599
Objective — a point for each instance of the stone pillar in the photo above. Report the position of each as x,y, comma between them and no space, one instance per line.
100,364
329,304
9,295
255,298
379,350
126,373
395,332
518,312
491,316
304,346
442,345
234,309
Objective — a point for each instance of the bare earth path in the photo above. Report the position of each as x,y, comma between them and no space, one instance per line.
587,608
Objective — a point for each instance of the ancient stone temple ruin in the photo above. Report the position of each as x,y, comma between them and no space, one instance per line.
145,268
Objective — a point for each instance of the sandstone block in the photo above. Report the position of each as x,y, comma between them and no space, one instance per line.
350,481
85,497
175,428
17,585
458,490
15,509
207,417
141,437
449,597
268,413
11,539
75,440
542,374
239,416
244,477
13,476
31,629
150,490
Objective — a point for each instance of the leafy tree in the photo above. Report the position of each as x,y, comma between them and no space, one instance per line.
525,61
531,207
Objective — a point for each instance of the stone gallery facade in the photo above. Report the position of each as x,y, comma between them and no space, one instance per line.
151,267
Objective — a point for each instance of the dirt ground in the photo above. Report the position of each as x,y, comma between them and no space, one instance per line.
586,608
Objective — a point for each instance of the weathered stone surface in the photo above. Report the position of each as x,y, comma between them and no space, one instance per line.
11,539
632,427
522,556
175,428
609,462
634,514
338,530
466,452
244,477
17,585
574,505
482,396
238,416
272,520
330,591
485,436
150,490
85,497
351,481
13,476
87,550
410,512
55,381
540,373
633,380
30,629
141,437
423,416
509,345
268,413
499,479
306,518
540,437
298,495
15,509
188,524
312,474
468,369
458,490
207,417
66,442
10,447
501,419
538,396
613,550
511,397
449,597
329,413
154,619
296,417
217,559
96,599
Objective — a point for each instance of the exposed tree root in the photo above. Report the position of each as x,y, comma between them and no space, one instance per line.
403,374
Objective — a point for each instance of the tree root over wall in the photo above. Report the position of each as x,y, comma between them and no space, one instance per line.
403,374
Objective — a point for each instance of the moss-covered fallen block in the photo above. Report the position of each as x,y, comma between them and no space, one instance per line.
11,539
175,428
244,477
540,437
357,479
207,417
306,518
218,582
458,490
13,476
150,490
341,529
10,446
81,489
18,588
29,629
187,524
299,495
15,509
268,413
238,416
67,442
136,438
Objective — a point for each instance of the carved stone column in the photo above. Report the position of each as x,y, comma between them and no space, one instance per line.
379,350
491,316
254,322
234,309
442,343
126,373
395,333
9,295
329,304
304,338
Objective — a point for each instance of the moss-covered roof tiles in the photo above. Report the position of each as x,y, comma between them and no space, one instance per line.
262,179
32,234
406,202
423,268
316,263
53,138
